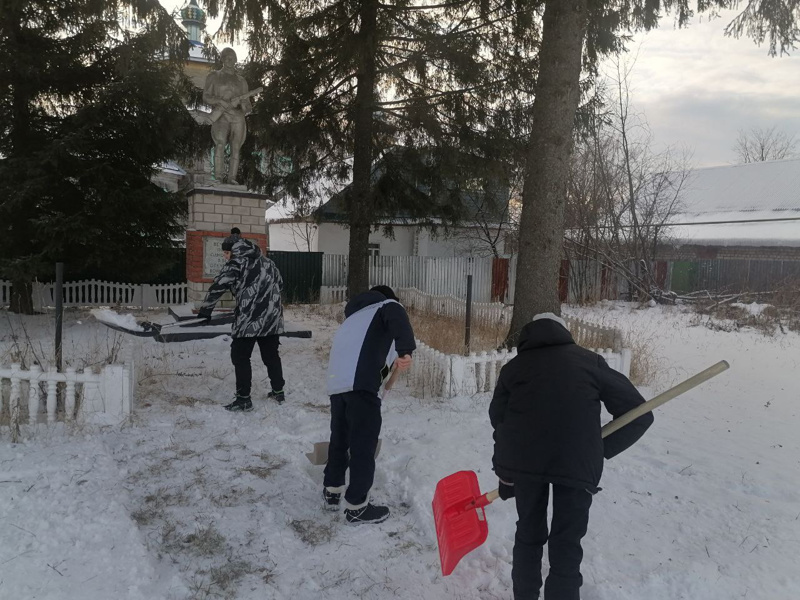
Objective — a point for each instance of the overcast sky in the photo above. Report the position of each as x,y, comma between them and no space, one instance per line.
697,88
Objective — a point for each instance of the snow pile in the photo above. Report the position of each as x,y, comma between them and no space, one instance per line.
754,308
105,315
195,502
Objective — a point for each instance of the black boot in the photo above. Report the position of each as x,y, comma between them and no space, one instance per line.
367,514
277,395
331,499
241,404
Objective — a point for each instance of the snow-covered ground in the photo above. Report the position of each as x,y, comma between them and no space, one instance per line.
189,501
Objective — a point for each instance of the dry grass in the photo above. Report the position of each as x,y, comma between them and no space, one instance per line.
325,312
266,470
233,497
221,582
206,541
646,365
312,533
322,350
164,497
446,334
320,408
781,315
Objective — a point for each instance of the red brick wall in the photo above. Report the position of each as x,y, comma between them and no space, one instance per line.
194,251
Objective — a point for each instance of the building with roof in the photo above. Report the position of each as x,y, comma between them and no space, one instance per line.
738,228
400,229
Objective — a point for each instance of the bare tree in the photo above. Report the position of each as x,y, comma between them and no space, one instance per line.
304,232
758,145
493,226
622,195
302,208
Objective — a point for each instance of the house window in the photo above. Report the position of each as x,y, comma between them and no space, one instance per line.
374,251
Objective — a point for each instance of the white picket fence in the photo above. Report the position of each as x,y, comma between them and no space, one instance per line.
483,313
332,294
445,276
447,375
436,374
585,334
30,395
104,293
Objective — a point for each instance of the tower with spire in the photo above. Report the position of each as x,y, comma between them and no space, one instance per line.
193,19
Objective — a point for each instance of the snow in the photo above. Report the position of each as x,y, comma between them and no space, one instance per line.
770,186
750,228
752,308
739,205
188,501
107,315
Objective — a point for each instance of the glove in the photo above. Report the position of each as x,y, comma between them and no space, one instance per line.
206,319
506,489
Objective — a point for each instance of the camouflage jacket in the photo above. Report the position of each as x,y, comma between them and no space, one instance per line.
256,283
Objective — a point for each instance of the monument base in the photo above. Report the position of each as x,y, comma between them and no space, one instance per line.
213,211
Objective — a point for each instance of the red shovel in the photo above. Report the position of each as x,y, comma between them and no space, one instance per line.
458,503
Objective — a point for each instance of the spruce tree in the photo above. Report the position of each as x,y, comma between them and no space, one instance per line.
422,90
91,103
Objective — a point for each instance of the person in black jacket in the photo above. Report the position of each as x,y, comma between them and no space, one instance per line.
546,418
375,335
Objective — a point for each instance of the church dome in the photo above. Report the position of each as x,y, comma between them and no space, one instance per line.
193,19
193,12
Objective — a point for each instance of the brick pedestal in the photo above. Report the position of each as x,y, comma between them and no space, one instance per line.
213,211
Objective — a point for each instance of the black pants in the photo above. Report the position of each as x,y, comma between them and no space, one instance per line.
242,349
355,427
570,520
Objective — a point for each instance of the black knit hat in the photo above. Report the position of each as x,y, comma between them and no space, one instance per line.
386,291
228,242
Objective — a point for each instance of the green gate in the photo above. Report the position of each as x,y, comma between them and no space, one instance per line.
302,275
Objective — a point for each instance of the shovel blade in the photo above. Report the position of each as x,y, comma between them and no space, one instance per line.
319,456
458,531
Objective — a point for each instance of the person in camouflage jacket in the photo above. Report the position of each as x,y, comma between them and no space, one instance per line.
256,283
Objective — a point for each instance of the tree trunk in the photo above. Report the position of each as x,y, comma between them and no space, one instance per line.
21,298
541,233
361,210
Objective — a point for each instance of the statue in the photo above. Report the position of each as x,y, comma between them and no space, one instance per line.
226,92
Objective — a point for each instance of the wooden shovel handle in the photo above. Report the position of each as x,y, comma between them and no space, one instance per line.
650,405
392,379
642,409
487,498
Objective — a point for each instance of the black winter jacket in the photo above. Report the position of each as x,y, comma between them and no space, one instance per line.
546,410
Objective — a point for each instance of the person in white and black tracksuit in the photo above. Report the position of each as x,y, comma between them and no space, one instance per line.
546,418
375,335
256,283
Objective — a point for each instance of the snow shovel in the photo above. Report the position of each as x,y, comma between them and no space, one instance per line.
458,503
319,456
188,329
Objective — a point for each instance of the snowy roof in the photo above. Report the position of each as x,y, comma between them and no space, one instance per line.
196,52
738,229
772,185
755,204
280,212
172,168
